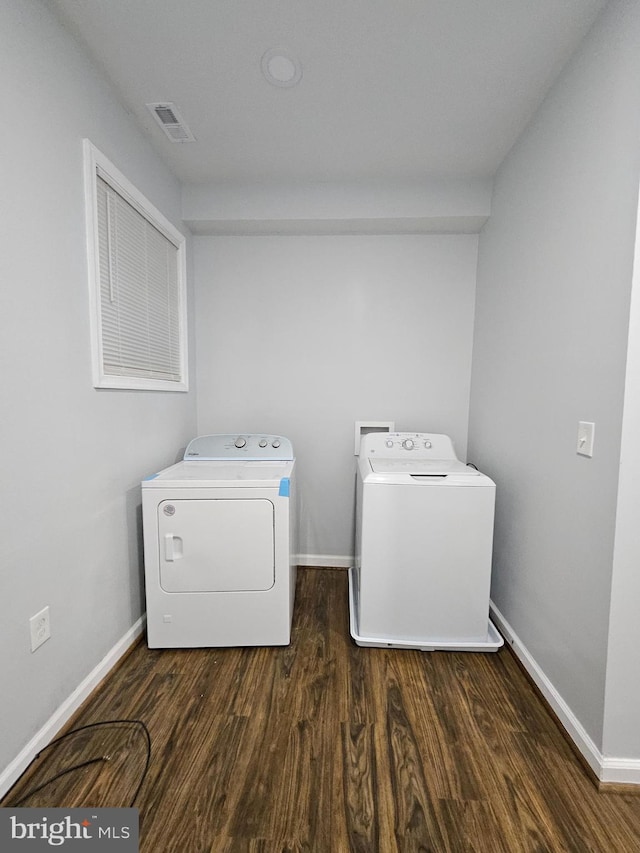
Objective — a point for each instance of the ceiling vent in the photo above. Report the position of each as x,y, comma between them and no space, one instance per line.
171,122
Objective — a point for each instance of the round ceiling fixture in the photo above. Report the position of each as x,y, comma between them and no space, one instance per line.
280,68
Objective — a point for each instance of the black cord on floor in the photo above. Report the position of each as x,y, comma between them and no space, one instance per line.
58,776
63,737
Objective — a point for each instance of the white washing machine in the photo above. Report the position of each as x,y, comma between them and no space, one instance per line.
219,544
424,539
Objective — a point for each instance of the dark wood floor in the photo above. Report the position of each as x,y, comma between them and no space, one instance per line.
326,747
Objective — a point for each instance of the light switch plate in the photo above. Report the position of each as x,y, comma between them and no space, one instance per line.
586,430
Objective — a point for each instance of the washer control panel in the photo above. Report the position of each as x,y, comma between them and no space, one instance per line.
398,445
250,447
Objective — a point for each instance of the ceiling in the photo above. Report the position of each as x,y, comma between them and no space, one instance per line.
390,90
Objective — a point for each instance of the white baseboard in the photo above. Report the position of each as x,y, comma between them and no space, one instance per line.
16,768
620,771
328,561
613,770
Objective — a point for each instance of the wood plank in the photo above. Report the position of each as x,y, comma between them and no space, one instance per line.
326,747
359,780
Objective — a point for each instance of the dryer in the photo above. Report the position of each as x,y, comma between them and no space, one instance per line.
424,538
219,544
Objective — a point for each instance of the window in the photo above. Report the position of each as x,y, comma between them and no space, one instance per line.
137,285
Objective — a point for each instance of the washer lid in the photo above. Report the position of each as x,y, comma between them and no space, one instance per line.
423,472
420,467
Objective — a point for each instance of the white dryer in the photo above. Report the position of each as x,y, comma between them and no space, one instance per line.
219,544
424,539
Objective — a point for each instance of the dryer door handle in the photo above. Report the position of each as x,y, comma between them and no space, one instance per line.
172,547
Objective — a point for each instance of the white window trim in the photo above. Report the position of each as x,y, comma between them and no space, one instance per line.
95,163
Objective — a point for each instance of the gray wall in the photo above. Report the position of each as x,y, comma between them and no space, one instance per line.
379,327
553,301
306,335
72,457
622,699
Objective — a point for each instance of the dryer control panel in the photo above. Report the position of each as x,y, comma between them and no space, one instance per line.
251,447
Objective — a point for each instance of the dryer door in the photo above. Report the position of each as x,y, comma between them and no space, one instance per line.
218,545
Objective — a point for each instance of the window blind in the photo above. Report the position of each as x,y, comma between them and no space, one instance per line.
139,292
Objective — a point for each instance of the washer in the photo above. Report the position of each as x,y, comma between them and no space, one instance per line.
424,538
218,544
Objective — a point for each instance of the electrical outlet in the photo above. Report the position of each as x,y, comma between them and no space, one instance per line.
40,628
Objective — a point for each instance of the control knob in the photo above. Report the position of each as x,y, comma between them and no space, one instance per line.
263,442
240,442
408,444
389,443
275,443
